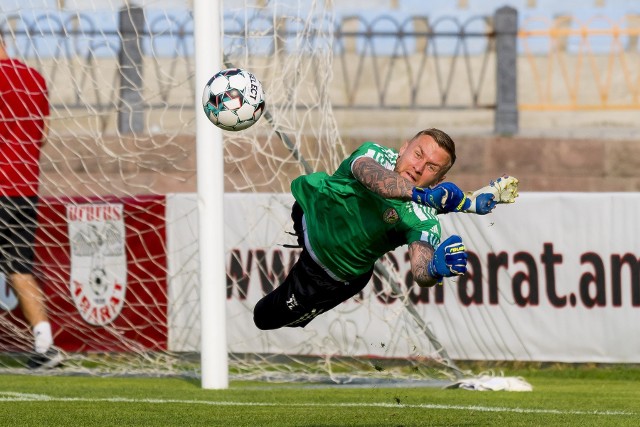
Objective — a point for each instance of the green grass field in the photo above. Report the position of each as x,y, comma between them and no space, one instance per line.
567,396
580,396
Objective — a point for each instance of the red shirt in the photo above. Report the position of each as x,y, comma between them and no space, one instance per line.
24,105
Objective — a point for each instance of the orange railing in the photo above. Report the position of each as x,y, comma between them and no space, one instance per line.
568,64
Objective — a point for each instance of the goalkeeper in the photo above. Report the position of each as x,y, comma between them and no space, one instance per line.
377,200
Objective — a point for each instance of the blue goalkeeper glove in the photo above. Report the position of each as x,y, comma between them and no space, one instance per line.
485,203
445,197
502,190
449,259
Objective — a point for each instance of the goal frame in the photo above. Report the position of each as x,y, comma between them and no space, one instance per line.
210,191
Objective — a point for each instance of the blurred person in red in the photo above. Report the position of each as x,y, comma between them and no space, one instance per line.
24,111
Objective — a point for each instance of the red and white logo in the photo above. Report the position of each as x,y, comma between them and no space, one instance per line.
98,261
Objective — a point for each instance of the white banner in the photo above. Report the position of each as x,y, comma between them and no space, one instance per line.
554,277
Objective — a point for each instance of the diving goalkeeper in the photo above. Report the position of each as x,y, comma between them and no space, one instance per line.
377,200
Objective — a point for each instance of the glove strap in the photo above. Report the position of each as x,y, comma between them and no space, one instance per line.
465,203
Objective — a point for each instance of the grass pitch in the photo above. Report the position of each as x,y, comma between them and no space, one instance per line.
581,396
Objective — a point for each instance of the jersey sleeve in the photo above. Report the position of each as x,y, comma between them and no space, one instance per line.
424,226
385,156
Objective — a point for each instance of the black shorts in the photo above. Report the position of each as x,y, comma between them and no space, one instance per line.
306,292
18,222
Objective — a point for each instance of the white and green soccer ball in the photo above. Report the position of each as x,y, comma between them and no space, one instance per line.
233,99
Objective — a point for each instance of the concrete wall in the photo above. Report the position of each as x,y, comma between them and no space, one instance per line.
165,165
550,164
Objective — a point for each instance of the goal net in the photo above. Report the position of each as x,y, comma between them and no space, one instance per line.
117,250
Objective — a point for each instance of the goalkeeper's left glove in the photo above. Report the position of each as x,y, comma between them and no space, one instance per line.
449,259
445,197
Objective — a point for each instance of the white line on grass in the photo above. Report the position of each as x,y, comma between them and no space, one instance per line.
9,396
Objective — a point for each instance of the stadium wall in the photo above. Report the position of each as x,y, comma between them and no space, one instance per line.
541,164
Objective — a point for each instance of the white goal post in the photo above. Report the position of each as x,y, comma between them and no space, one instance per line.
210,165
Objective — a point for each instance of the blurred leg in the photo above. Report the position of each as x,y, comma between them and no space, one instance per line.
32,303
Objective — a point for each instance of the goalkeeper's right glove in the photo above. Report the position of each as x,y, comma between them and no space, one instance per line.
446,197
449,259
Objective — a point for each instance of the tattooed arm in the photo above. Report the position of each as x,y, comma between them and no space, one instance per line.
381,181
428,265
420,255
444,197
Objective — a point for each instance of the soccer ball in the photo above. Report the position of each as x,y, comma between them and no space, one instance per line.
233,99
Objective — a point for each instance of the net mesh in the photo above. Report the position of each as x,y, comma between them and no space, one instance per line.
116,249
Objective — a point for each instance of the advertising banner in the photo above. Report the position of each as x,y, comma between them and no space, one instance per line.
553,277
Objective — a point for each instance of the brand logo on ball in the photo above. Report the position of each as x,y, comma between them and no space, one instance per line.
254,87
98,261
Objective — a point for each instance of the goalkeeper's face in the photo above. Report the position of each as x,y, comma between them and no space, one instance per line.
423,162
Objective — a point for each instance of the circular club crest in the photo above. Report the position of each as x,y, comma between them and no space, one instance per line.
390,216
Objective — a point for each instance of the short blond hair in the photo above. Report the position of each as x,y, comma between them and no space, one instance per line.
443,140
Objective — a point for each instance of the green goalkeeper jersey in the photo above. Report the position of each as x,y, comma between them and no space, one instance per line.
350,227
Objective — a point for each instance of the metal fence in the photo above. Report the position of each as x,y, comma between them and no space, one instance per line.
105,64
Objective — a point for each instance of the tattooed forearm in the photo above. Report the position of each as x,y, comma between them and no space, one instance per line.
420,254
381,181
